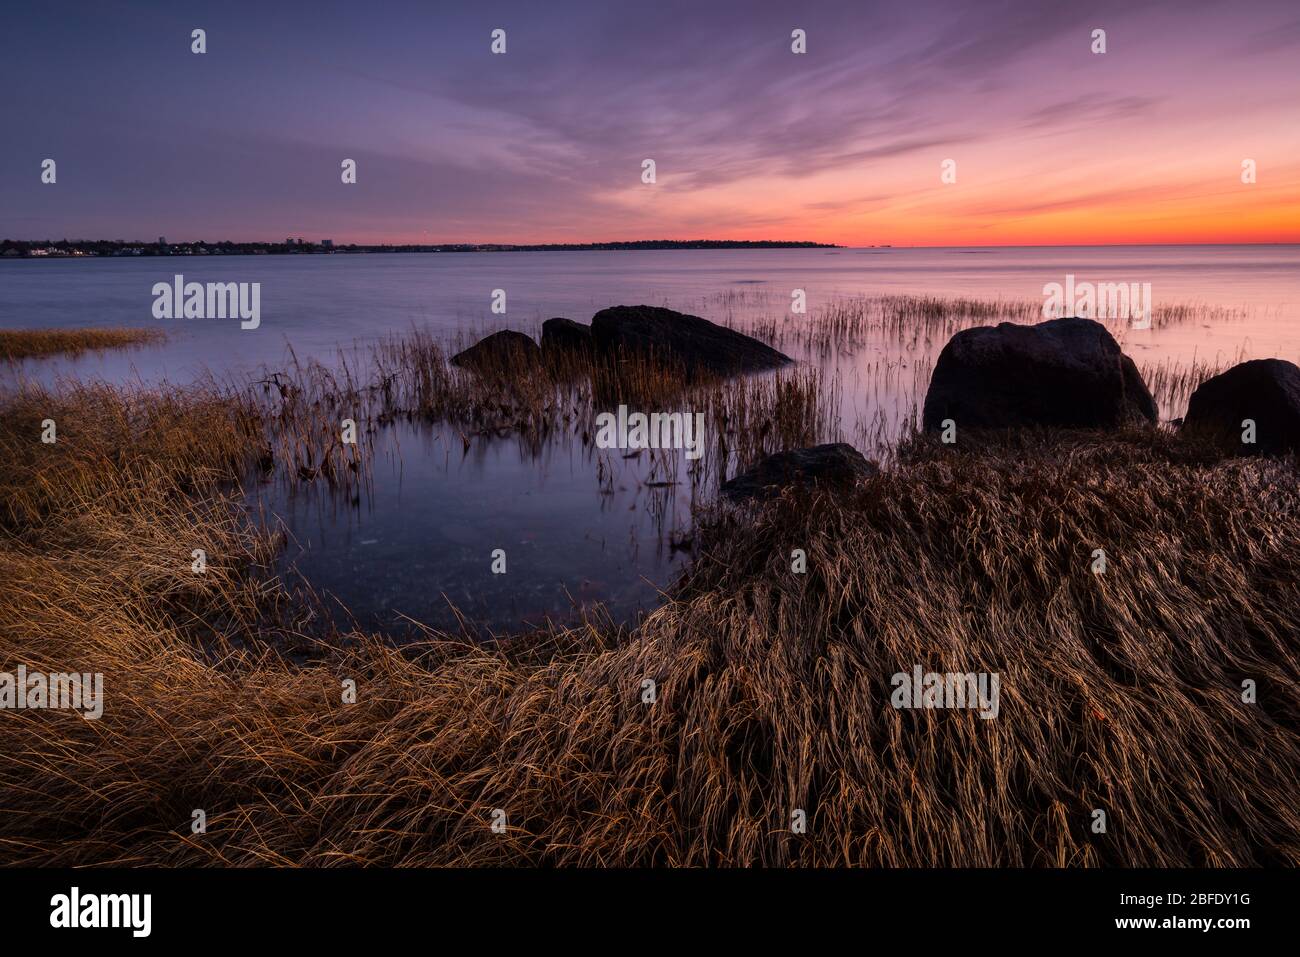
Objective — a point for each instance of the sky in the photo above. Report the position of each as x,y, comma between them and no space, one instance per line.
1052,144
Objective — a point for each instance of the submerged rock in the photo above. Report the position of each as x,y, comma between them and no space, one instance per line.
834,464
565,335
1063,372
696,344
1264,391
503,351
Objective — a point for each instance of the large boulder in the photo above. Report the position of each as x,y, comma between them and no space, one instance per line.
565,335
1265,391
834,464
695,344
504,352
1063,372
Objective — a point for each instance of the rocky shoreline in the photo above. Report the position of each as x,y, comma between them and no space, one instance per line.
1061,373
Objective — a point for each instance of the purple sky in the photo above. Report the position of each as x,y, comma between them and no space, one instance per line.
1053,143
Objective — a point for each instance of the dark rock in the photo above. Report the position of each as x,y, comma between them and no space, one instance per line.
832,464
1264,390
565,335
696,344
500,352
1063,372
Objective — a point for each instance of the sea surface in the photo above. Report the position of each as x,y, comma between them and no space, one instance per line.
418,547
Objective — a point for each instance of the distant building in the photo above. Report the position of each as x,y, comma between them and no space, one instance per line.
327,243
162,240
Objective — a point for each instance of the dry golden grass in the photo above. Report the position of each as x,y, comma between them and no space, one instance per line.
1120,692
408,377
16,344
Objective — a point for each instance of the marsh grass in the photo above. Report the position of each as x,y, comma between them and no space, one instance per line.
409,378
1120,692
1182,313
845,324
18,344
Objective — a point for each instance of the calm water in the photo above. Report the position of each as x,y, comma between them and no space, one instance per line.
421,542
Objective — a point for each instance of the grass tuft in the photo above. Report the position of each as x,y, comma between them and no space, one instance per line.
18,344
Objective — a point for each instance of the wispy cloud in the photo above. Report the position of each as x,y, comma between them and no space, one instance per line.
548,139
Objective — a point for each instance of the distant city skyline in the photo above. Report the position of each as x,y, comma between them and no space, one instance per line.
1052,144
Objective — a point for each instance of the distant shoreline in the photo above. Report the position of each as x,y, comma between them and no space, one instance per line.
91,248
14,249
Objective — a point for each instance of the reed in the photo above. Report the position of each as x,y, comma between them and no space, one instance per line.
1172,382
18,344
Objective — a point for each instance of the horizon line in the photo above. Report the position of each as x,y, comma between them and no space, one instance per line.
776,243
